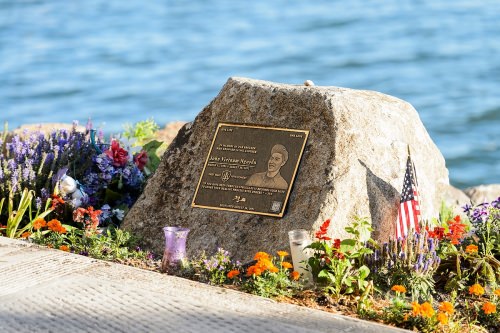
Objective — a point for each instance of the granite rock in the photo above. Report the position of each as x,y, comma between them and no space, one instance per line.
353,165
454,198
483,193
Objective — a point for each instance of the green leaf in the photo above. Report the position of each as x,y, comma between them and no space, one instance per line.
324,274
347,245
111,196
363,272
152,145
316,246
153,159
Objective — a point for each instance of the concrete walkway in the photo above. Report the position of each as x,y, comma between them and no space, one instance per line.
45,290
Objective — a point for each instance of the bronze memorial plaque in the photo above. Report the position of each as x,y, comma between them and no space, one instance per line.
250,169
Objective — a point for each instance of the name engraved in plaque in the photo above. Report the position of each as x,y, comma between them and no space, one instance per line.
250,169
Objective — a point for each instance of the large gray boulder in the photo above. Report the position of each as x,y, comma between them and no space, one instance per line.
353,164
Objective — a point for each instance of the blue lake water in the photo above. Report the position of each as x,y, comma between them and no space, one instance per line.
124,61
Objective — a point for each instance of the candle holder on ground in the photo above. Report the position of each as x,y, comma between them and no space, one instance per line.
299,240
175,247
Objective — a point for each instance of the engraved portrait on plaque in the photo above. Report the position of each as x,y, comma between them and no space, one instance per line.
250,169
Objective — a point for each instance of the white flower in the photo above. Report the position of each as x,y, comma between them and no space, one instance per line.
67,185
119,213
130,145
77,197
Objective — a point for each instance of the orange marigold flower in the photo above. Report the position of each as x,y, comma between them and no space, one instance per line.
489,308
426,310
282,253
232,274
39,223
415,308
398,288
274,269
295,275
497,292
286,265
56,201
264,264
62,230
26,234
471,248
64,248
54,225
261,255
476,289
446,307
442,318
254,270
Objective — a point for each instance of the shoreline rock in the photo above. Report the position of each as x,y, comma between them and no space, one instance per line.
353,163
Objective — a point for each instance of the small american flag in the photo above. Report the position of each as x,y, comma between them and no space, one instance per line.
409,208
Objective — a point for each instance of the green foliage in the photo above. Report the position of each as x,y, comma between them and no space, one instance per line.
113,244
23,211
151,148
143,131
339,267
397,312
215,268
477,258
409,262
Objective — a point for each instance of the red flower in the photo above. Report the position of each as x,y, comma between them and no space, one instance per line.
117,154
438,232
457,230
89,217
56,201
336,243
339,255
323,230
141,160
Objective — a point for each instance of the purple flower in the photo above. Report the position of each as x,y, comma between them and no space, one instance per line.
420,259
38,203
89,125
467,208
496,203
431,244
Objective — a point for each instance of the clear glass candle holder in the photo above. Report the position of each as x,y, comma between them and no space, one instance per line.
299,240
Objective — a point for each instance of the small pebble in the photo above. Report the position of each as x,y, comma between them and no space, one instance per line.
308,83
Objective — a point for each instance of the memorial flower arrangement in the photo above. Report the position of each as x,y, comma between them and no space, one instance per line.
62,188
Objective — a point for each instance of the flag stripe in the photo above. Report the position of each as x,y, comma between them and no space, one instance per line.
409,208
